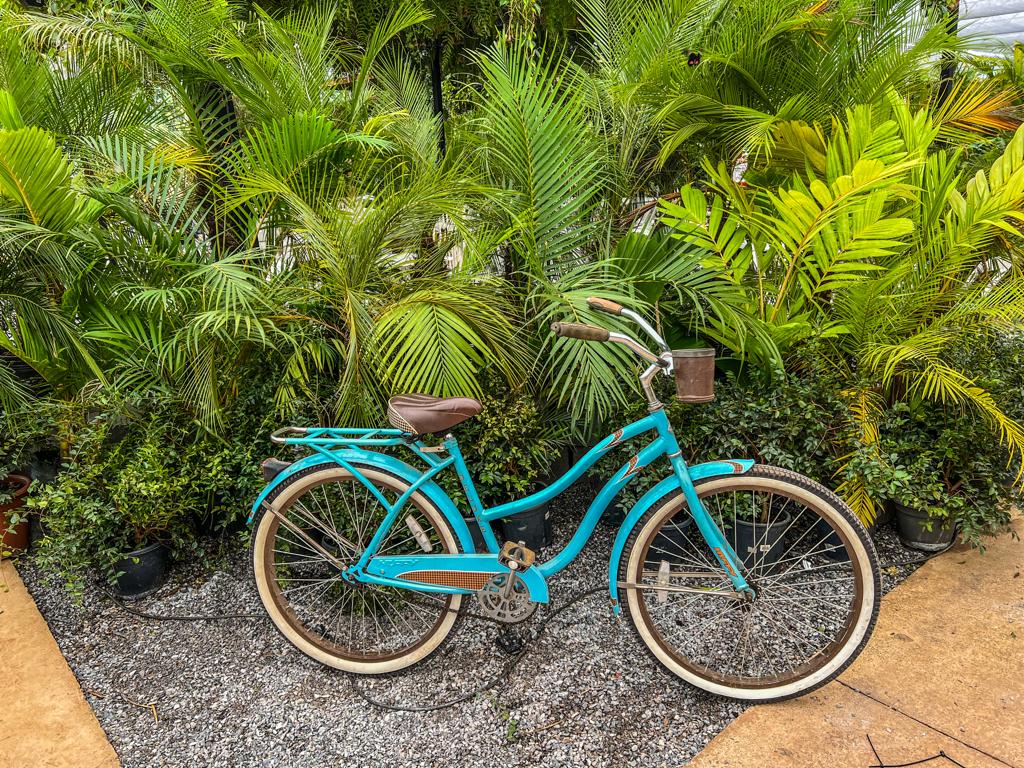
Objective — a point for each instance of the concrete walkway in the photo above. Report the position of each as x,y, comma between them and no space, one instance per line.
45,721
944,673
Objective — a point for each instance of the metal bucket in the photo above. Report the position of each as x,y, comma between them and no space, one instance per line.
695,374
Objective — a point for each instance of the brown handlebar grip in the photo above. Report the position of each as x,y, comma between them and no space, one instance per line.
604,305
580,331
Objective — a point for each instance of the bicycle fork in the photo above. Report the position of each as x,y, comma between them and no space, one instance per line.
713,536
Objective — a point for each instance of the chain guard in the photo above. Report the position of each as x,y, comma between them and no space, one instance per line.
510,609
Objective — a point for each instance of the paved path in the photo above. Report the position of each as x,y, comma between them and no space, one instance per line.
944,672
45,721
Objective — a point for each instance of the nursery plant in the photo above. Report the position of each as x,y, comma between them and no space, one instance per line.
877,245
197,198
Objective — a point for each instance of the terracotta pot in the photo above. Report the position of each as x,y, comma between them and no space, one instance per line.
15,540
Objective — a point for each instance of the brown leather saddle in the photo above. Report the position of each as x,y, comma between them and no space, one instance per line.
423,414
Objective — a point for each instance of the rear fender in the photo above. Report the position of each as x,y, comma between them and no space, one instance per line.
354,458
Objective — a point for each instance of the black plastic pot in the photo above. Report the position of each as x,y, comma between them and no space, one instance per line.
37,529
672,542
831,545
885,514
745,535
560,465
913,524
478,538
614,516
142,571
532,527
46,464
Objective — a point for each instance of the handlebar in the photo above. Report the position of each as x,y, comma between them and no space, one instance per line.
593,333
662,362
580,331
604,305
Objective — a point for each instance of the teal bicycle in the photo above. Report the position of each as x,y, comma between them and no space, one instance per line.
748,581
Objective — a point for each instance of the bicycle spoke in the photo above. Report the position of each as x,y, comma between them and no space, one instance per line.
360,621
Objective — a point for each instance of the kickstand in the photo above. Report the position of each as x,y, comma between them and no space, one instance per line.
509,641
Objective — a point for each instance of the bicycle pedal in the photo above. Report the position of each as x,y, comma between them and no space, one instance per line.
516,556
510,643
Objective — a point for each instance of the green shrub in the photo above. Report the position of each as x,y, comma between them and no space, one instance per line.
790,423
123,488
509,446
947,464
144,470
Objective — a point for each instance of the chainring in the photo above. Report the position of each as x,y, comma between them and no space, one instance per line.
511,609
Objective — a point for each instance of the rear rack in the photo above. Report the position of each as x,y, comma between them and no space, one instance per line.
327,437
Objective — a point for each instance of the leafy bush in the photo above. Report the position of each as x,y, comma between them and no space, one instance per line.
316,227
508,447
945,464
144,470
123,488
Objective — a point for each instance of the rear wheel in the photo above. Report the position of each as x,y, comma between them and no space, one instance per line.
808,558
320,522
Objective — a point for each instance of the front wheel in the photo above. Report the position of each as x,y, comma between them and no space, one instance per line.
809,560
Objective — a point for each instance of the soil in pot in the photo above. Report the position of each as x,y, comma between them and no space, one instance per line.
757,542
913,528
142,571
15,538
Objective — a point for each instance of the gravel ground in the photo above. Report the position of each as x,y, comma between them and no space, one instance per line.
235,693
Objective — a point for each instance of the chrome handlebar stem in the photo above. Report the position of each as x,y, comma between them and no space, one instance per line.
658,363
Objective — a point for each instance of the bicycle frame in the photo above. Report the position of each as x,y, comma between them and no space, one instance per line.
345,447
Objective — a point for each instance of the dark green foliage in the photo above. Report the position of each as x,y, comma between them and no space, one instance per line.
143,470
508,447
946,464
245,209
791,422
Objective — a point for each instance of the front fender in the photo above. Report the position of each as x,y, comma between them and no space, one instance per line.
356,458
649,499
